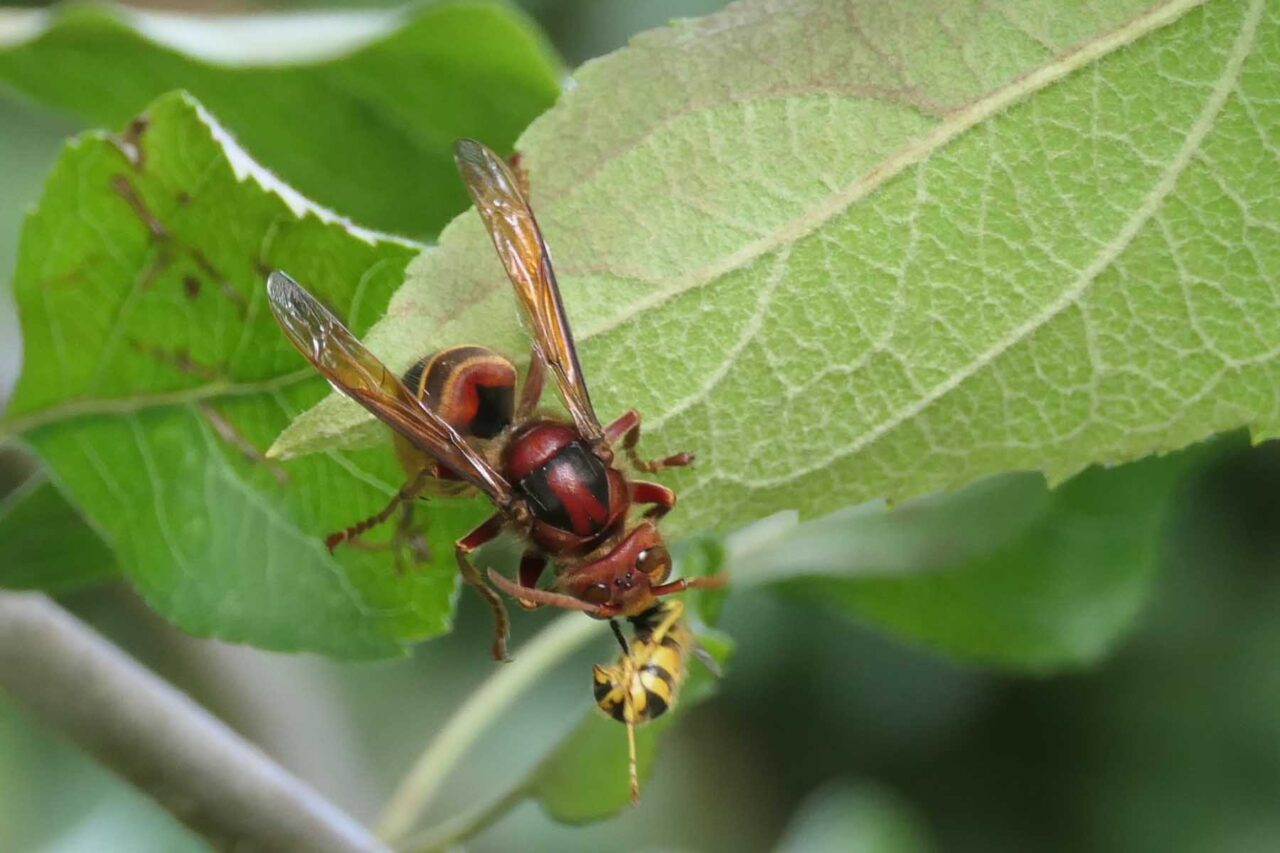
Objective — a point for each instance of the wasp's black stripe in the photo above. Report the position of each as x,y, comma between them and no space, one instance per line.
646,623
662,673
655,705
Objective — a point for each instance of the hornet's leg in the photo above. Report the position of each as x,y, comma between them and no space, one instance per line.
531,567
627,429
516,162
409,538
486,532
408,492
546,596
406,538
706,582
662,498
531,391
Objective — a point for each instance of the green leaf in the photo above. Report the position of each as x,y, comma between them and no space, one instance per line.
863,819
356,110
44,543
842,251
1005,571
702,556
155,375
584,778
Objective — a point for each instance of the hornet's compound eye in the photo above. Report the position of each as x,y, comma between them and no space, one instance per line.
655,562
597,593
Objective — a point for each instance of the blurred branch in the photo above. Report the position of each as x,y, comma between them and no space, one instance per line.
553,644
210,778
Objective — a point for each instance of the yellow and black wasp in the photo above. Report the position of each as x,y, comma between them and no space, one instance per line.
645,682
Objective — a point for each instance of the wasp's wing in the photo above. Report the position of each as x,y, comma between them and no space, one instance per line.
707,659
356,372
519,242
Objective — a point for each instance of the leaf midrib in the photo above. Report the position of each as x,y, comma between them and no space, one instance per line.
1200,128
88,407
914,152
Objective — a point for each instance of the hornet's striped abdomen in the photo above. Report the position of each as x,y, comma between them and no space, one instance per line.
473,389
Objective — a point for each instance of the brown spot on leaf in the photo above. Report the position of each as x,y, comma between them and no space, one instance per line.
178,358
218,278
130,142
126,190
158,265
228,432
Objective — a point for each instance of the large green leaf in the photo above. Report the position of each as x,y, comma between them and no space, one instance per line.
1004,571
844,250
862,819
356,110
44,542
155,374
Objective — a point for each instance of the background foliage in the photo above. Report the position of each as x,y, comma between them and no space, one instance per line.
1137,325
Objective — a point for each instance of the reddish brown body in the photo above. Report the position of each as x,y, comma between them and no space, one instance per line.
576,499
577,503
459,425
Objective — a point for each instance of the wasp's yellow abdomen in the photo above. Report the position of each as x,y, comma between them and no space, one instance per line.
650,675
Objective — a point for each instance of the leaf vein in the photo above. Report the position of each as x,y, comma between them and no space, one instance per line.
916,151
1150,205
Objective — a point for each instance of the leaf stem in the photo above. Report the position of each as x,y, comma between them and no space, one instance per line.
89,407
448,834
417,790
553,644
152,734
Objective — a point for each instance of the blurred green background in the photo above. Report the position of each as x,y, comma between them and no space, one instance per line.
824,736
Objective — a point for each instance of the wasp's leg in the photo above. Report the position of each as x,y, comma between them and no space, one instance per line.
486,532
675,610
619,636
408,492
633,770
627,430
662,498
